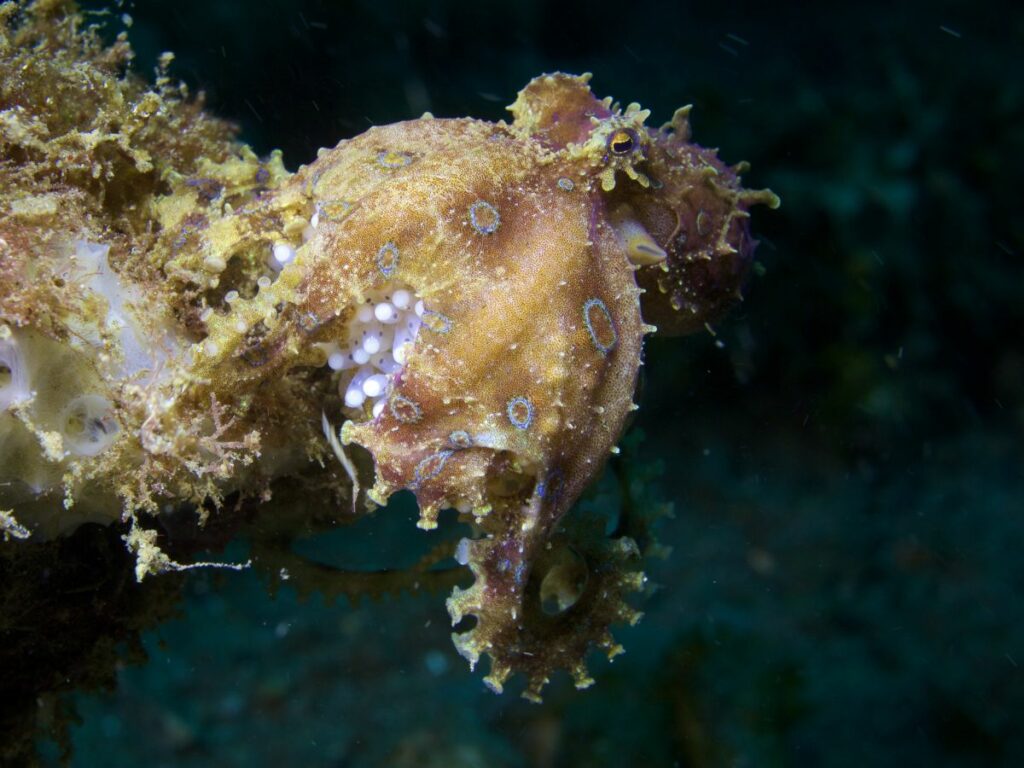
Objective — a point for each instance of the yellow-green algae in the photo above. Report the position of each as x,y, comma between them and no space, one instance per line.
103,173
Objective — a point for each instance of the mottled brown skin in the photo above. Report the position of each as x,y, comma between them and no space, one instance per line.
518,389
514,299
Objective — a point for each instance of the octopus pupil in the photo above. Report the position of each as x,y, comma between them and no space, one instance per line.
621,143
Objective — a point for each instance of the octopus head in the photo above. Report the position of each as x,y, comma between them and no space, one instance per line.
682,217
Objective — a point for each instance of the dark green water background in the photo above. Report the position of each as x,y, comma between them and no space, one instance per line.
846,582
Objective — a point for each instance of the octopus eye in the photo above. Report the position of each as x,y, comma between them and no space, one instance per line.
622,141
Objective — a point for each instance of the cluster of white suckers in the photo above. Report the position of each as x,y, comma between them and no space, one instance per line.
378,342
378,339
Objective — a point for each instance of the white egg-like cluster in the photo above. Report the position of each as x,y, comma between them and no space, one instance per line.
377,345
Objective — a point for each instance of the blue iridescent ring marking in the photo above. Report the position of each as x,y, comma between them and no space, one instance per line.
436,322
333,210
520,412
484,217
404,409
460,439
391,159
566,184
600,326
431,466
387,259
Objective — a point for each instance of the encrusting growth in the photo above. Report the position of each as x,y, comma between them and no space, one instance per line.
460,304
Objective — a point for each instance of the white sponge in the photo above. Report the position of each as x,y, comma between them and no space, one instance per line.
88,425
14,380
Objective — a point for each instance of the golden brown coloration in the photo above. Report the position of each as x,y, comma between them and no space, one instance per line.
468,297
522,241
